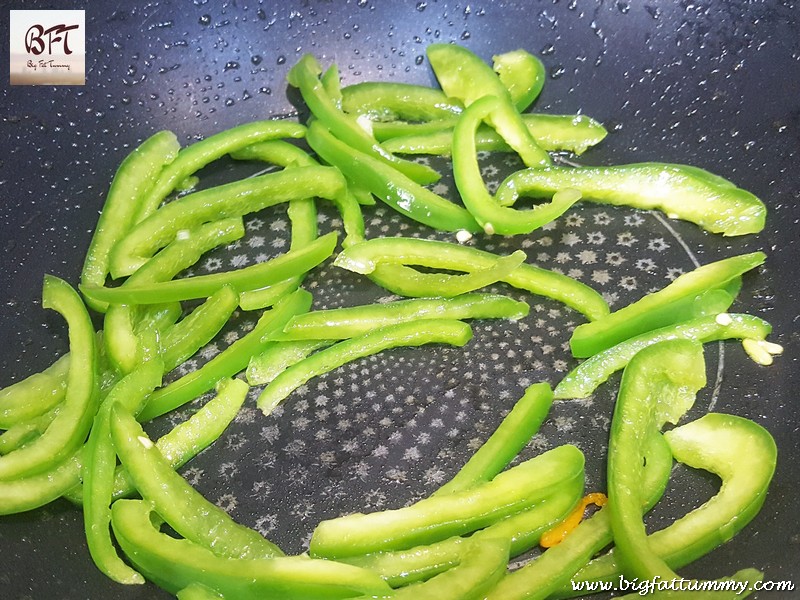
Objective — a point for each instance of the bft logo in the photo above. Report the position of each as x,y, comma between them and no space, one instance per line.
34,38
47,47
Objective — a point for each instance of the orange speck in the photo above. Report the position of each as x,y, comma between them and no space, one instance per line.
556,535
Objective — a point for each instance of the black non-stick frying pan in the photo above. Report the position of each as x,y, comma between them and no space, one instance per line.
711,83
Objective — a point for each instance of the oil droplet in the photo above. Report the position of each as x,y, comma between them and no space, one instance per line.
205,20
623,7
230,66
422,6
557,71
547,50
256,59
465,35
281,59
419,60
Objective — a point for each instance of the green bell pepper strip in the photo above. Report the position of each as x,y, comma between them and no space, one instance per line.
434,519
367,256
388,184
221,202
228,362
34,395
158,317
512,435
184,339
99,465
341,323
23,432
522,74
278,356
174,564
481,564
182,443
586,377
554,133
177,502
492,217
522,529
331,85
266,296
196,156
391,101
69,428
673,304
554,568
121,317
302,213
658,386
196,591
253,277
133,181
680,191
465,76
305,76
428,331
743,455
32,491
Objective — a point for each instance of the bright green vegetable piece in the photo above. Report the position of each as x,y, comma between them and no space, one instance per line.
390,101
465,76
135,178
686,297
34,395
278,356
69,428
522,74
230,200
435,519
370,255
228,362
281,578
680,191
586,377
305,76
177,502
428,331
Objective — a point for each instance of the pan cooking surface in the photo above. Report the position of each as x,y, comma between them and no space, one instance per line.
712,84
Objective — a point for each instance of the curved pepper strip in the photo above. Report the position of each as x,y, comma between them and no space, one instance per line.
465,76
184,339
554,133
23,432
34,395
391,101
522,529
680,191
136,176
279,356
435,519
305,76
481,564
175,564
69,428
492,217
743,455
658,386
586,377
341,323
510,437
253,277
230,200
196,156
388,184
32,491
177,502
182,443
99,465
522,74
686,297
553,569
121,343
371,255
417,333
228,362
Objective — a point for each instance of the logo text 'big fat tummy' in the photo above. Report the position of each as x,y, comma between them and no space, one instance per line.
47,47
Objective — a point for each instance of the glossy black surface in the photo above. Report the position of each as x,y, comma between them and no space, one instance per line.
714,84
